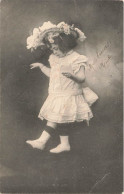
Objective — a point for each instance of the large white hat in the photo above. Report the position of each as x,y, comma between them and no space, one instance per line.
36,39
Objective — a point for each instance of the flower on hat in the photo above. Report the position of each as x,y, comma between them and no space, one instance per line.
36,38
82,37
33,41
36,32
64,27
46,26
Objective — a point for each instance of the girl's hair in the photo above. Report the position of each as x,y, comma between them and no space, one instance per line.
65,42
41,51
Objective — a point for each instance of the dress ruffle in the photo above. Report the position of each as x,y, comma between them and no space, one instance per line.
65,109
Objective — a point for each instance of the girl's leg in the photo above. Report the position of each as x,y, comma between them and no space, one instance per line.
46,134
64,140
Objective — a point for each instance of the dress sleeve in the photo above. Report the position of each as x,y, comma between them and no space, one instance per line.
78,62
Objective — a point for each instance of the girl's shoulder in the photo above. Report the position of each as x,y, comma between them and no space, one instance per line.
51,58
75,57
77,60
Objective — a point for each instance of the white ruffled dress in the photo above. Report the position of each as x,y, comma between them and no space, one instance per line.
65,102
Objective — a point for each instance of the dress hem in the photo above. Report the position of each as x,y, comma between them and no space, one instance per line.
69,121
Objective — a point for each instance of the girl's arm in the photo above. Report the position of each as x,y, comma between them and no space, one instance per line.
79,77
42,67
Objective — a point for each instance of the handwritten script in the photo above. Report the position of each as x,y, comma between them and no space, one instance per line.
102,57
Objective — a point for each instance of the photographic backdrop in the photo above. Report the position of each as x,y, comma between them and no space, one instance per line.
95,161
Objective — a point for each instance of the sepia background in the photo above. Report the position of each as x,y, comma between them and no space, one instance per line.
95,161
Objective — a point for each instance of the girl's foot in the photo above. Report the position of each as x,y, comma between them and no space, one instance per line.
40,142
60,148
36,144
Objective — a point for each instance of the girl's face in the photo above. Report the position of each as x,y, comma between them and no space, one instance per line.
57,51
54,47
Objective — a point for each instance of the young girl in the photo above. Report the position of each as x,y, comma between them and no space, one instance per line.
65,102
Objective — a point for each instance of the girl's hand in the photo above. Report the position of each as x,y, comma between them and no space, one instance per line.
34,65
68,75
79,77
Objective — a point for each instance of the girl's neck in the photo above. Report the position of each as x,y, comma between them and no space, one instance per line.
64,54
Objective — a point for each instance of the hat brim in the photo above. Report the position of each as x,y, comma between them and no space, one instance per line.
47,31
